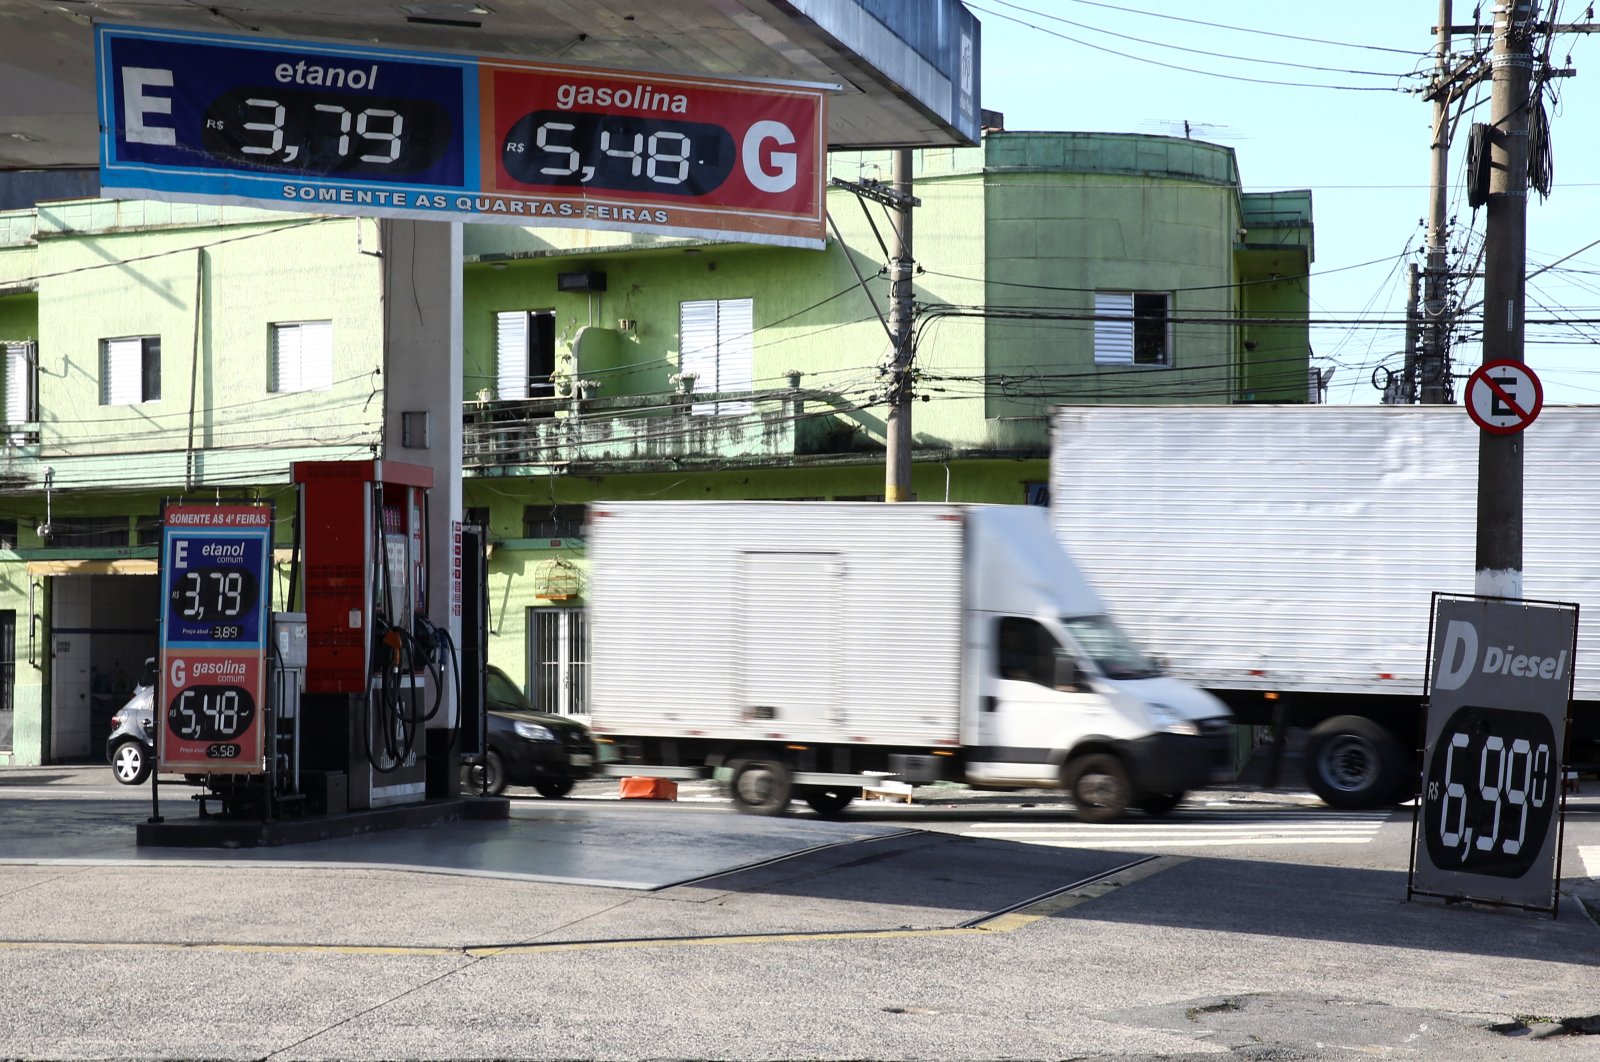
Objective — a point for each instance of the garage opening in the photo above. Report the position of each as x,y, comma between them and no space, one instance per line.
102,629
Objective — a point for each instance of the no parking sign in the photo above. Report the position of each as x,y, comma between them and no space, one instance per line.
1504,396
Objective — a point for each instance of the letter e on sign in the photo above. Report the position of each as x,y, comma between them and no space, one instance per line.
1503,397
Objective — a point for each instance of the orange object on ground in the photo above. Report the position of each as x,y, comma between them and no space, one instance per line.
649,789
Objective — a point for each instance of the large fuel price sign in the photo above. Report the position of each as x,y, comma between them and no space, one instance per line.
361,130
215,562
1488,822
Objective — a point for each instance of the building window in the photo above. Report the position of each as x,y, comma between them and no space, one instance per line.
1132,328
1036,492
476,516
302,357
558,660
130,371
716,342
89,532
553,521
22,390
8,533
524,354
147,530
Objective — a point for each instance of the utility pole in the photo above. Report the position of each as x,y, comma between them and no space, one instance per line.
897,466
1499,554
1408,393
1433,366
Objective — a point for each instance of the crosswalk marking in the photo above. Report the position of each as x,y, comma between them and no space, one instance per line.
1210,832
1589,856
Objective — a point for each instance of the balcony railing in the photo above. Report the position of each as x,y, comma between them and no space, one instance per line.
557,432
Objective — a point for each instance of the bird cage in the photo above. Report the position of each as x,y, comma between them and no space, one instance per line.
557,580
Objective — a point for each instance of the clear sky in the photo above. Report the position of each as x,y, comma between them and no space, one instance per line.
1277,82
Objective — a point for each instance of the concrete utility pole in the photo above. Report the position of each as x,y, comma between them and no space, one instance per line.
897,467
1433,366
1499,556
1409,386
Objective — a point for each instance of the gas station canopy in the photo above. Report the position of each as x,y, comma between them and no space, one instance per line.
906,70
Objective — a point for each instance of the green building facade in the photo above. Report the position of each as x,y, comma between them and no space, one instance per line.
157,351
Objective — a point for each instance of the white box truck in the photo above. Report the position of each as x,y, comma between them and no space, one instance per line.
1284,558
810,649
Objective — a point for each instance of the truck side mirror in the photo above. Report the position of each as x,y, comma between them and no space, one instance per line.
1069,676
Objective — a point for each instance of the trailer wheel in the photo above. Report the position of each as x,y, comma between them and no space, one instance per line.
1354,763
760,787
1099,786
829,802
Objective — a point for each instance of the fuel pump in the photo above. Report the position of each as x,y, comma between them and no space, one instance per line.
376,671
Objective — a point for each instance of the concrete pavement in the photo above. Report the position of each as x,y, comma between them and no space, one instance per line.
852,940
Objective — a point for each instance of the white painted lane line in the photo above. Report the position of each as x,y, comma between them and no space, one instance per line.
1176,827
1211,832
1215,842
1589,854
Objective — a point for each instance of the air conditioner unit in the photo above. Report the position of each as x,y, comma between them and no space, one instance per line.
590,280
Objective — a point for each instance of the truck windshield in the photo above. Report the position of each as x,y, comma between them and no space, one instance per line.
1109,648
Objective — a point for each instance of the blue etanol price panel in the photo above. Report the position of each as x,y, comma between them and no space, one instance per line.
1488,822
198,106
214,588
215,567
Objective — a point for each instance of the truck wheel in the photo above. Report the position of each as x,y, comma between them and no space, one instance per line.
554,790
760,787
1158,804
1353,763
830,802
1099,787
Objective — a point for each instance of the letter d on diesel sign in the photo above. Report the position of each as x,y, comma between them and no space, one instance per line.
1460,653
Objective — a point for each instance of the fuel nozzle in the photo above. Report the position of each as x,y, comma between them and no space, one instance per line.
395,642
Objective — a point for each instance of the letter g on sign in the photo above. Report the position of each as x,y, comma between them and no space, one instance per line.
781,177
179,672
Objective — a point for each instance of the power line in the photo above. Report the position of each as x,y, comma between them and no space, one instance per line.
1185,69
1183,48
1247,29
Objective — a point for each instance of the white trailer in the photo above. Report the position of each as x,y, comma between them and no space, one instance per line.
809,649
1285,557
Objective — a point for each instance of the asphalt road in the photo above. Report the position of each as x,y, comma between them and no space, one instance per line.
1252,925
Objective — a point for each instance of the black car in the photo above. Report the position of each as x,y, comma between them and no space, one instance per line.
551,753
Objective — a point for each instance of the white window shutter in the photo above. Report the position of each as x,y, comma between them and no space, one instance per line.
19,383
286,359
511,354
316,355
716,341
123,383
736,326
302,356
697,347
1113,339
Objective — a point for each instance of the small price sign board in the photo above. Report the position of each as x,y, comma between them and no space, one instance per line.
215,564
1488,824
